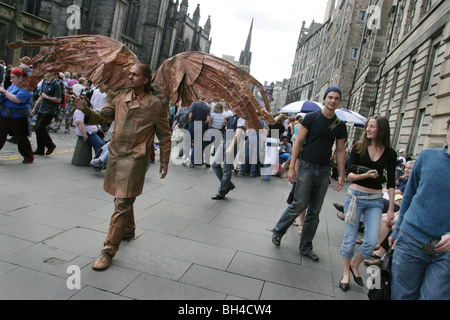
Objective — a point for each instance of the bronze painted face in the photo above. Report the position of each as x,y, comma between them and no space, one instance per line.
136,78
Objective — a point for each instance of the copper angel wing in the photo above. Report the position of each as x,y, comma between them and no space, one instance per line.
99,58
190,76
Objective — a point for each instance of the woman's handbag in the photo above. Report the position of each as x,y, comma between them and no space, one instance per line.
355,168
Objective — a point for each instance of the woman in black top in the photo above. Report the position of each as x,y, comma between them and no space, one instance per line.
367,161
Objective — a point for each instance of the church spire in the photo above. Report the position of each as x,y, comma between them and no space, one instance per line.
197,14
246,55
207,26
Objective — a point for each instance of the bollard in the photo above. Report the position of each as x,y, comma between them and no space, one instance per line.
82,155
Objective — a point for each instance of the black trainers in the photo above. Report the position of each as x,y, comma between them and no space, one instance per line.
276,240
218,197
311,255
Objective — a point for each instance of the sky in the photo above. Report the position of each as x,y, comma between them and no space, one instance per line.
276,29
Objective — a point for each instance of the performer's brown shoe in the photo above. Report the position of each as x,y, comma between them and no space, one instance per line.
128,236
102,262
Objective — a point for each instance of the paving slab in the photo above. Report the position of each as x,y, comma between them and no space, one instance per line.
187,246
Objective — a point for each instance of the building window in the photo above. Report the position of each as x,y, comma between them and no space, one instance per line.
354,53
132,18
398,128
430,67
417,133
32,6
362,16
394,83
85,4
9,2
410,16
407,87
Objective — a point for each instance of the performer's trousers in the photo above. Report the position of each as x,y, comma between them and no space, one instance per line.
122,225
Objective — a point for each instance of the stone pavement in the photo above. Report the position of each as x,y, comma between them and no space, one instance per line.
54,217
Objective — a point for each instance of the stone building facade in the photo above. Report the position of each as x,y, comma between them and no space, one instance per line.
390,57
154,29
403,71
327,53
20,20
306,64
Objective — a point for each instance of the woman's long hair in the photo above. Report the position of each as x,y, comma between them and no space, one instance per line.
383,137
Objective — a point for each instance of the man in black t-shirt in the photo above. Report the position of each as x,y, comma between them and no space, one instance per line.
47,107
317,133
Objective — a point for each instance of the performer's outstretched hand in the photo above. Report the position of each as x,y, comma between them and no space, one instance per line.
81,103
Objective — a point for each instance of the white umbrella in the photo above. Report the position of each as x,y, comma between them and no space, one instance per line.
351,118
302,106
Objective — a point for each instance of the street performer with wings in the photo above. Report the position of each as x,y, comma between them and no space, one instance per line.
140,110
138,115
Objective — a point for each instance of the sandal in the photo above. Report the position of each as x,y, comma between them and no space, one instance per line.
341,216
359,241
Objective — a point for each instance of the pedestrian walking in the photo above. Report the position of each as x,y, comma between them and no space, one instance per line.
15,115
224,156
138,116
368,160
317,133
46,107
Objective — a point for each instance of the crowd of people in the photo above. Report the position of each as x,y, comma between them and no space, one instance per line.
403,210
251,159
45,109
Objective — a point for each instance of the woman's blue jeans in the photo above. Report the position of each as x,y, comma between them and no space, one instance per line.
372,210
417,275
311,188
95,141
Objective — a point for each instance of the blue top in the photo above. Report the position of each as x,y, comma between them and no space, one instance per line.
200,111
23,95
401,185
424,213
